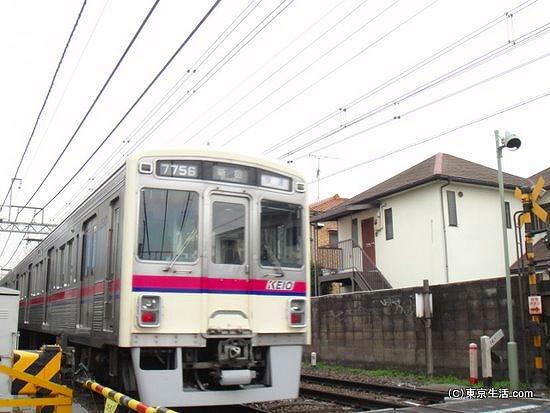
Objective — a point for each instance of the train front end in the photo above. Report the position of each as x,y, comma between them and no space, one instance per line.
214,299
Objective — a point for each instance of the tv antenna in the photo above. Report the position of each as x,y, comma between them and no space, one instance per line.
318,172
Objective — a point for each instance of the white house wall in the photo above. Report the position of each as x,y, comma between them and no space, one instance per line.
416,252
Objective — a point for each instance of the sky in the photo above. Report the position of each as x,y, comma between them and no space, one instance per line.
349,92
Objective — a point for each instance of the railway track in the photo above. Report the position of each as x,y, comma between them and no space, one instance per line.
365,394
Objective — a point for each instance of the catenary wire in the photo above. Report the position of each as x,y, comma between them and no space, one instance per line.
38,118
499,51
182,45
67,84
395,28
445,50
183,79
46,98
278,69
223,36
95,100
214,70
438,135
458,41
273,14
433,102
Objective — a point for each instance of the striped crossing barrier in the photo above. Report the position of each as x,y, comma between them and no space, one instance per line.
44,363
122,399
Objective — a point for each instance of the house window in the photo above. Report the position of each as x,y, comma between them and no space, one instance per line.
508,216
388,223
451,207
333,237
354,231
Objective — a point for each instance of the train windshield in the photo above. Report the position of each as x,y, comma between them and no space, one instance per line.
281,234
168,225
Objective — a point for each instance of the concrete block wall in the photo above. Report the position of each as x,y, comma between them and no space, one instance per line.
379,329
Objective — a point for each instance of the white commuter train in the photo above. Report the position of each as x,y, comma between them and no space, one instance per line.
184,277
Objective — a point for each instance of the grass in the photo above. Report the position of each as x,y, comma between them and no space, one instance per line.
450,380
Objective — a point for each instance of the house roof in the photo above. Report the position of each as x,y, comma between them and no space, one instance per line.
438,167
326,204
545,174
541,254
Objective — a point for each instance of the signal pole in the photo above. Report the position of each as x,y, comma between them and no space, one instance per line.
528,199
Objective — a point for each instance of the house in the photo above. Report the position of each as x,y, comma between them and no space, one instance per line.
326,234
439,220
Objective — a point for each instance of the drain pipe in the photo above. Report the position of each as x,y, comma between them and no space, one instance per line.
445,250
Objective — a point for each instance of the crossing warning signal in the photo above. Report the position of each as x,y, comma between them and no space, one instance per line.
532,198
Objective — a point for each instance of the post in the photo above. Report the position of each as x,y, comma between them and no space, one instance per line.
486,367
313,359
472,353
428,328
512,349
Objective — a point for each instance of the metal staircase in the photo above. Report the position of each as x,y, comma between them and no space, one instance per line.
348,261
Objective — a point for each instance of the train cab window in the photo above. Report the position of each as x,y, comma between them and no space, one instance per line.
168,225
228,233
281,234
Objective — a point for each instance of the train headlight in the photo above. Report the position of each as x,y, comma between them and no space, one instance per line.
297,312
148,311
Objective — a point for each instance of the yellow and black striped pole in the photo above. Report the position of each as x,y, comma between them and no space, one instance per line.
530,208
124,400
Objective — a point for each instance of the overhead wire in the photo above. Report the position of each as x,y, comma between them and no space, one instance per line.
222,37
143,93
54,77
279,68
433,102
438,135
480,60
395,28
96,99
251,35
215,69
410,70
68,83
183,79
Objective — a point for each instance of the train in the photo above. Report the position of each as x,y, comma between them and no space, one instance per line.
183,279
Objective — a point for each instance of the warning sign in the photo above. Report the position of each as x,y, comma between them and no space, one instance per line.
535,304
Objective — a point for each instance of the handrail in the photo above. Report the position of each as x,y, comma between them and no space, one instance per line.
347,255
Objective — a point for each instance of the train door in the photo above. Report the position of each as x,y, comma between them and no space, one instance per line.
227,262
88,264
113,270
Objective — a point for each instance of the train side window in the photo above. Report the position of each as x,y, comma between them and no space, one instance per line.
89,248
50,270
41,279
70,275
35,285
60,278
30,280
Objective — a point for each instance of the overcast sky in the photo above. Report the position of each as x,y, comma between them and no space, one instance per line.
332,84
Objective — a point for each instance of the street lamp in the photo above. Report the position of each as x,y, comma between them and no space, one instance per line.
509,141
